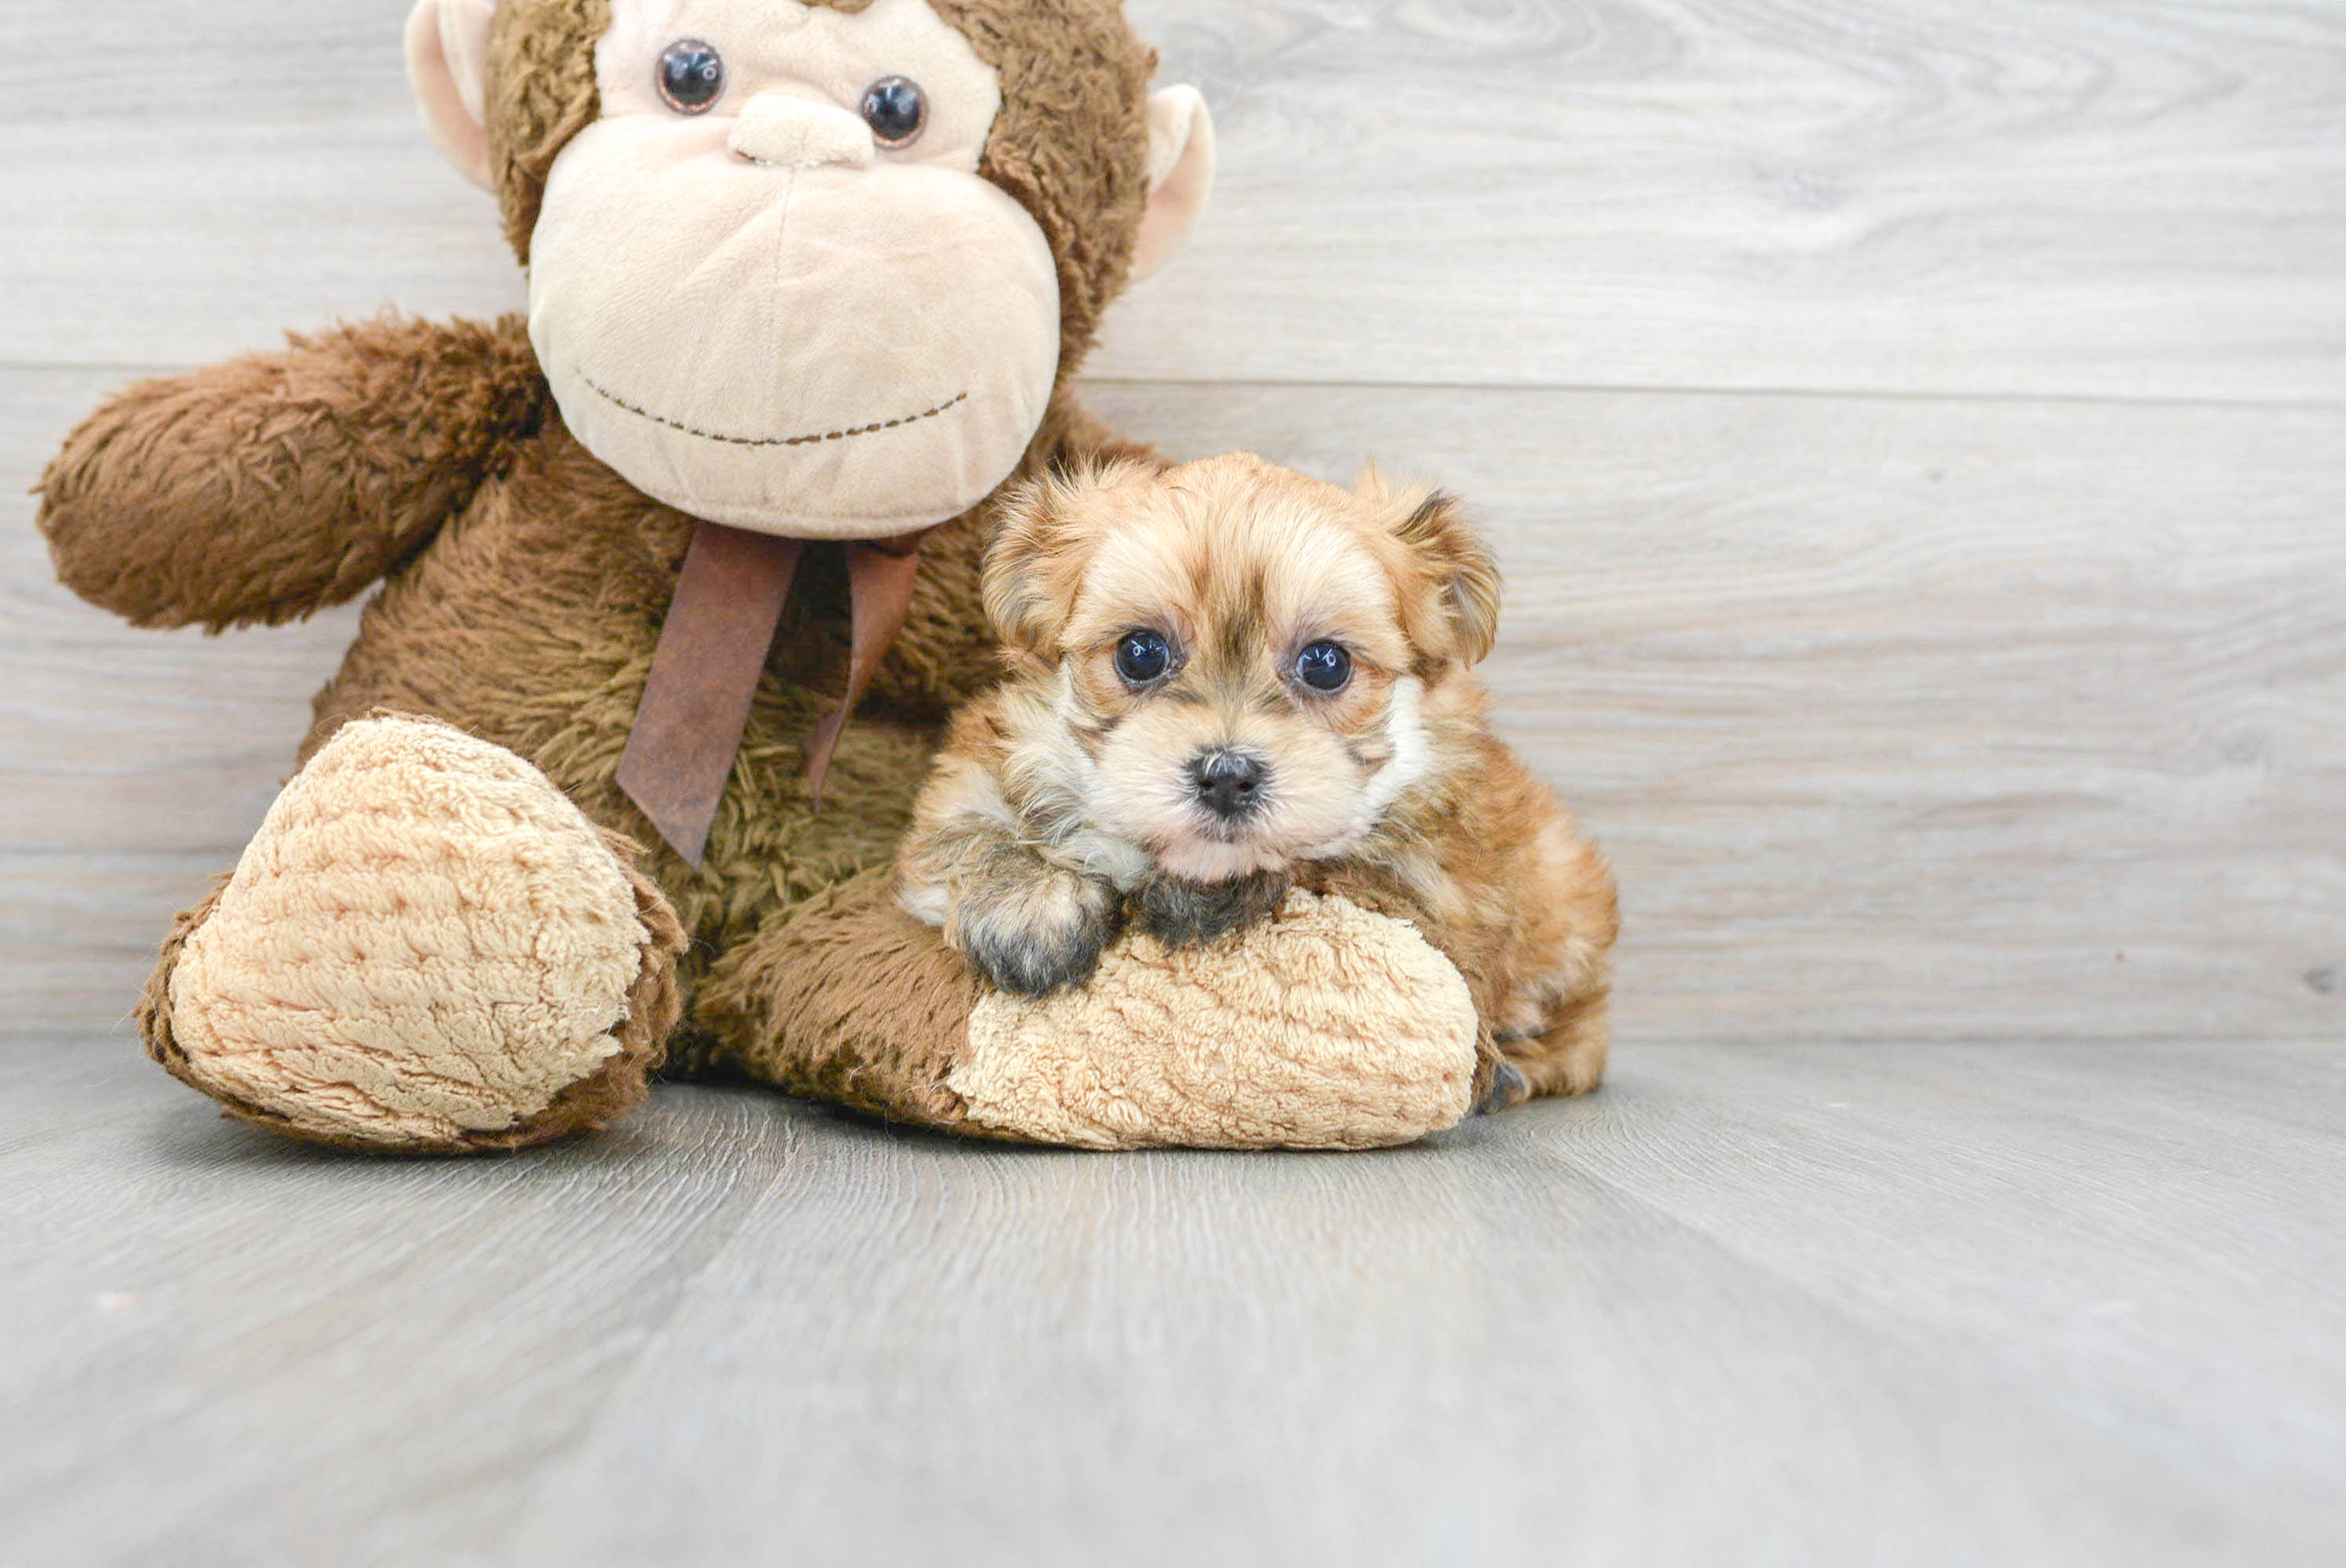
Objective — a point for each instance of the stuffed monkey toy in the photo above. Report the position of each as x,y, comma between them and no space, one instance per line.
678,582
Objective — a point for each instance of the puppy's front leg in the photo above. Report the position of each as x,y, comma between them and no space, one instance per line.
1032,927
1029,926
1178,913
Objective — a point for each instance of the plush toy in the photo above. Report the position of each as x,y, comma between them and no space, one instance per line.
680,582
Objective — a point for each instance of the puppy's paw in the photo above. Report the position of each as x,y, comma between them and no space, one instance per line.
1179,913
1507,1089
1042,936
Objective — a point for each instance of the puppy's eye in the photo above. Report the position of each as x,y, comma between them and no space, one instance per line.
1143,657
1324,667
896,111
691,77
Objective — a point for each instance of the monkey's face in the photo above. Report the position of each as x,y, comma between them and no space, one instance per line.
767,284
1243,653
814,268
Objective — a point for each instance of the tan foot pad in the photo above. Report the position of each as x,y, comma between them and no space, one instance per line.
426,943
1328,1028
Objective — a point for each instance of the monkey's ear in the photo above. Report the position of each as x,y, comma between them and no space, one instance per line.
1180,174
1456,563
448,66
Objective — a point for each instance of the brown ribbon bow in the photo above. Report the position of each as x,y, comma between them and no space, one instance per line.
712,650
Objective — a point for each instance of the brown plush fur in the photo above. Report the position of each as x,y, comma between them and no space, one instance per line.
542,92
1070,797
845,996
525,583
266,489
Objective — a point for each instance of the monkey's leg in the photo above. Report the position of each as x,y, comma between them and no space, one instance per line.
426,949
1324,1028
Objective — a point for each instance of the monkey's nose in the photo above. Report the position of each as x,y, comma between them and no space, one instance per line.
1230,783
778,130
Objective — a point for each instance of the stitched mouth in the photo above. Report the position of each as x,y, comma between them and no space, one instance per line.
615,401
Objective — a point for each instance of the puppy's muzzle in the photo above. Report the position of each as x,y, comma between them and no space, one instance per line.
1230,784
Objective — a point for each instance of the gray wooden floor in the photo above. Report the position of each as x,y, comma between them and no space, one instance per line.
1916,431
1940,1304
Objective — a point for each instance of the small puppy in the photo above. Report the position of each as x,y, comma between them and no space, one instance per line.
1227,679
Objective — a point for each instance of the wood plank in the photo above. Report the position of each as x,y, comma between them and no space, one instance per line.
1998,197
2036,1211
1908,719
244,170
1991,197
223,1347
1902,719
1480,1352
1951,1304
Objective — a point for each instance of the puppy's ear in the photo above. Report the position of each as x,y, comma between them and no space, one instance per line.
1456,565
1017,598
1036,563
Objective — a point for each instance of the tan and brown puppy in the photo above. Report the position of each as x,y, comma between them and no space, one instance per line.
1229,680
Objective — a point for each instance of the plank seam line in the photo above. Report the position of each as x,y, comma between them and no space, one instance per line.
1820,394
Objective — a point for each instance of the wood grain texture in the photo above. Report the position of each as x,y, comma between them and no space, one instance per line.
1909,717
1813,1306
1991,197
1902,719
1999,196
2014,712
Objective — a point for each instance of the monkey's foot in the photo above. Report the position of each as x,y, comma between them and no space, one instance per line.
1323,1027
427,949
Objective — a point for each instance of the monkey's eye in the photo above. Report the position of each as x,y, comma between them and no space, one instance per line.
1324,667
691,77
896,111
1143,657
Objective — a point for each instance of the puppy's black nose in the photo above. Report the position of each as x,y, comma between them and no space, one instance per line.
1230,783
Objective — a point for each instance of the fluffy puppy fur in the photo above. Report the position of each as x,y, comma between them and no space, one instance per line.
1227,679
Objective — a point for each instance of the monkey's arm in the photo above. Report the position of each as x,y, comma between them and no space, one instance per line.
267,488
